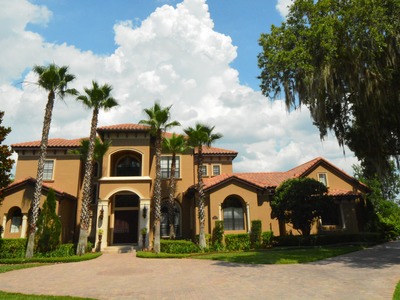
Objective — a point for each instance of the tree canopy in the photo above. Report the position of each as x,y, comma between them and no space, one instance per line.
300,201
341,58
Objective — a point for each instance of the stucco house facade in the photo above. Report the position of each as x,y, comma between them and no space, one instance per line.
122,206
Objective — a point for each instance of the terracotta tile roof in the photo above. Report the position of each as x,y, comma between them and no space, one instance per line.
217,151
273,179
300,170
338,192
53,143
32,181
124,127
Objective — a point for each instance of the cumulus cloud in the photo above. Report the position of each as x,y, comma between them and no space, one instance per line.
283,7
174,56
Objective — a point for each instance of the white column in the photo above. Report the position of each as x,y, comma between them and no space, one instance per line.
248,216
102,223
144,221
220,212
24,225
343,217
4,225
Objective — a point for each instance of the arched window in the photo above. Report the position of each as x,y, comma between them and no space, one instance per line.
128,166
165,220
233,214
16,220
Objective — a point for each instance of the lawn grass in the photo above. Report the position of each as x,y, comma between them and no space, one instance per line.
280,256
18,296
396,294
8,267
271,256
66,259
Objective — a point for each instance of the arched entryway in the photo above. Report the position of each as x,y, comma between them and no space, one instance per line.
125,218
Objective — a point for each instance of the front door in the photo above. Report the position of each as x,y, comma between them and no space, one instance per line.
125,226
126,219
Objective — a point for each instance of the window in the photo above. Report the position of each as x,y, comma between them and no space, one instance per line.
165,222
166,162
233,214
128,166
323,178
16,220
331,216
204,170
216,170
48,170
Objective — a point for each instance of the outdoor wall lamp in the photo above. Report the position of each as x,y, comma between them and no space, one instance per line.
144,212
101,216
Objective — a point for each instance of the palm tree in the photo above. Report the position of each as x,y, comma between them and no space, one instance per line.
96,98
175,144
199,136
158,120
54,80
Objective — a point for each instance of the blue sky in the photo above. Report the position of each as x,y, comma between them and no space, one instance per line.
198,56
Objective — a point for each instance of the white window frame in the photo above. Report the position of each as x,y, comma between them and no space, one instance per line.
204,169
46,170
169,162
325,175
219,169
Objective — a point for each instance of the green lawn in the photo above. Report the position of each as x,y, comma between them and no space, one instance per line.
280,256
396,295
17,296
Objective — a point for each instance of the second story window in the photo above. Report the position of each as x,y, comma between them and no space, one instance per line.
322,177
216,170
204,170
128,166
166,166
48,170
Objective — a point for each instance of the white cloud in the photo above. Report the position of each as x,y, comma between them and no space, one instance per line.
283,7
176,57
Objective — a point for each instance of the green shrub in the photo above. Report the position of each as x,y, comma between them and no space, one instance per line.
255,234
48,225
12,248
328,239
218,236
267,238
178,246
236,242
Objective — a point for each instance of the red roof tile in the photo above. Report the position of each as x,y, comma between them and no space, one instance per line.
214,151
124,127
53,143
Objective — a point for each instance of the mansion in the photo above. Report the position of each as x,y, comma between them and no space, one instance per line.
123,185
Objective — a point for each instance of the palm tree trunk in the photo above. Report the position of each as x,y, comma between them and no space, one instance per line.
200,188
171,199
39,177
87,188
157,195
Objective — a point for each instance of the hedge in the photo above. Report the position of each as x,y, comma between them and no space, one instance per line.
237,242
178,246
12,248
319,240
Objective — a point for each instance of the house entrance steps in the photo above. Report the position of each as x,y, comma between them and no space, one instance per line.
122,248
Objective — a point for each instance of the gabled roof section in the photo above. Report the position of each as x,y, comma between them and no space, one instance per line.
271,180
32,181
52,143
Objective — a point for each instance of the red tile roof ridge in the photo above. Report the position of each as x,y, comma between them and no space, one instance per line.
52,143
123,127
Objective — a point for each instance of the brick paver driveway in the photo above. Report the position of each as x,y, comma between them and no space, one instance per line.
367,274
